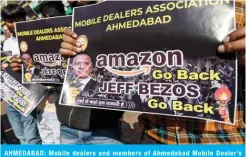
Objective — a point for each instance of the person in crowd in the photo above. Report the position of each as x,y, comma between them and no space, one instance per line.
51,9
96,126
25,128
48,123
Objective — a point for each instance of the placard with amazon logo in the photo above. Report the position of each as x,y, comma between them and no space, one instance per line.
22,97
154,57
39,43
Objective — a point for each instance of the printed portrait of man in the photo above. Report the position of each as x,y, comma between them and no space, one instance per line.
26,58
29,68
81,76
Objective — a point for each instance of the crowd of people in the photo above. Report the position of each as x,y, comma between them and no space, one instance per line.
58,124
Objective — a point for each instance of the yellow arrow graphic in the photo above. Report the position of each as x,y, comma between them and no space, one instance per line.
143,69
51,64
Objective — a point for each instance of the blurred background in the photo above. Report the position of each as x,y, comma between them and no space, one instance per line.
27,5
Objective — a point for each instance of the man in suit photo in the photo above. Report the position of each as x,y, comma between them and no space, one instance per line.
81,76
28,66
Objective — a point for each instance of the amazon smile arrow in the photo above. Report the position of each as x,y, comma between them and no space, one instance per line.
145,69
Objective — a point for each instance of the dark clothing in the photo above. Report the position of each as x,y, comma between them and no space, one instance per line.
87,119
90,89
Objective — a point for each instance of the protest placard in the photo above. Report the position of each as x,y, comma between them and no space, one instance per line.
39,43
154,57
24,98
